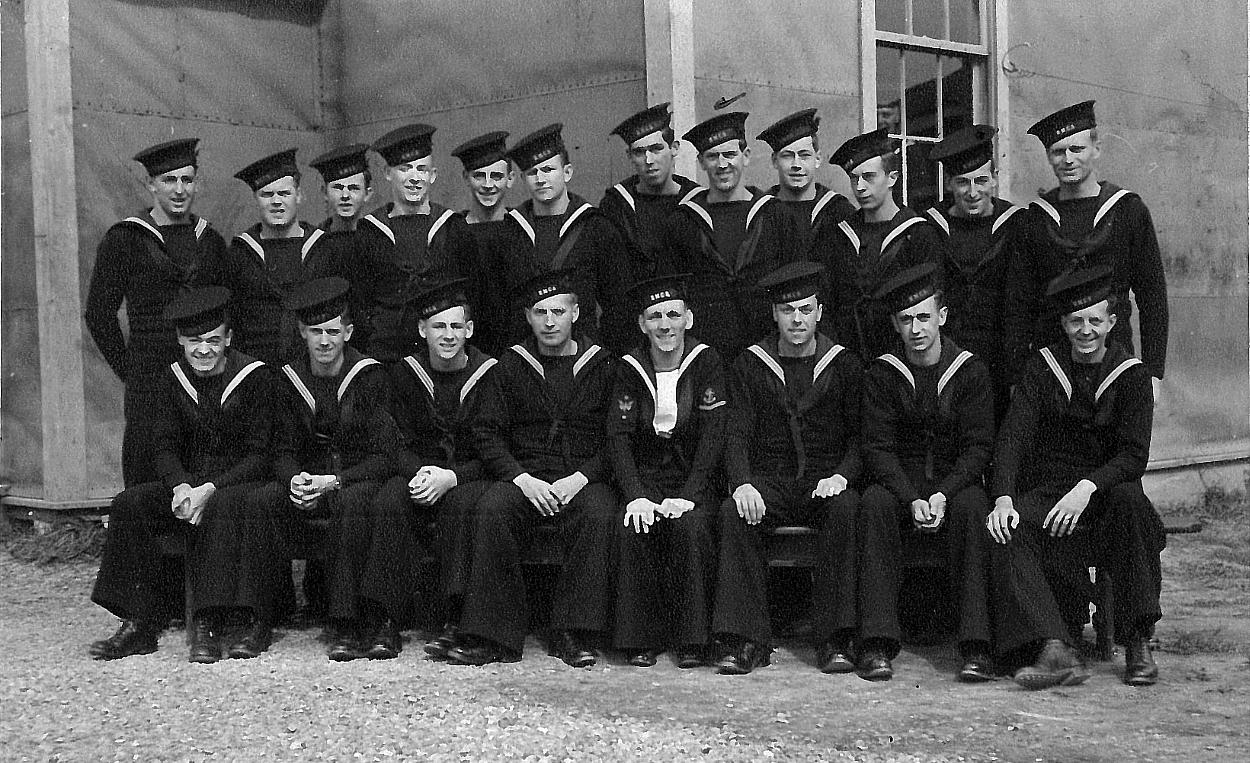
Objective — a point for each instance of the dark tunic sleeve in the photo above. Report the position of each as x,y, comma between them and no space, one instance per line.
622,420
1015,437
882,403
851,383
740,426
113,263
493,424
973,408
1149,286
255,415
613,276
374,432
711,418
1133,417
468,464
168,434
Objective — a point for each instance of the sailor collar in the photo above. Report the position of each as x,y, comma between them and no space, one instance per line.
236,371
149,225
420,367
899,227
766,351
949,362
251,238
628,189
696,201
1109,195
524,216
1060,364
1002,213
587,351
639,359
353,360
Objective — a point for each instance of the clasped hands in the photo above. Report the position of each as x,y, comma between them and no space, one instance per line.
188,502
550,497
642,512
929,515
307,489
431,483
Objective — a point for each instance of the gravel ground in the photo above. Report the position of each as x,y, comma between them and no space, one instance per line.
293,704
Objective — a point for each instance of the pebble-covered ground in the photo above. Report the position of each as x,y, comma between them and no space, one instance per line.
293,704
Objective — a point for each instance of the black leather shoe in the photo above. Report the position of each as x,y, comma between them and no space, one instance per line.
1139,663
1056,665
480,651
385,643
690,656
875,666
344,645
205,648
254,642
834,656
643,658
439,646
575,653
132,637
747,657
977,667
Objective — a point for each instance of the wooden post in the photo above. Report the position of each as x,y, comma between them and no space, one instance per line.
55,248
668,30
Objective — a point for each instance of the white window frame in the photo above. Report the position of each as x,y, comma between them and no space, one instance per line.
993,34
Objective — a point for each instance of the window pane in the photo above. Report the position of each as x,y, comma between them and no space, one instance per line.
920,107
892,15
888,110
922,177
966,21
927,18
956,93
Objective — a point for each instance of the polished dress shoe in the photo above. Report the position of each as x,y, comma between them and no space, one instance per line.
344,645
132,637
439,646
574,651
643,658
1056,665
254,642
385,643
747,657
205,648
479,651
834,656
1139,663
690,656
977,667
875,666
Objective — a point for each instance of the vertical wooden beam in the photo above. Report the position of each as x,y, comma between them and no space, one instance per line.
55,248
668,31
999,44
868,65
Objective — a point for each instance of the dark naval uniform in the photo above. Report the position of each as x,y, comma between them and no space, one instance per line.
494,310
543,415
204,429
859,256
664,577
145,265
640,218
1114,229
926,430
435,411
585,241
727,247
339,425
826,210
979,251
419,250
1068,422
357,255
793,422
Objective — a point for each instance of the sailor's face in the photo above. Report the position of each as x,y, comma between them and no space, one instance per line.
206,353
552,320
1073,158
724,164
346,196
796,164
653,159
548,180
665,324
796,321
411,181
920,325
490,184
446,333
325,341
973,192
173,191
1087,329
872,184
278,202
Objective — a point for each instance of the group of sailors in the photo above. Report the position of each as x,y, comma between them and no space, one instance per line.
662,378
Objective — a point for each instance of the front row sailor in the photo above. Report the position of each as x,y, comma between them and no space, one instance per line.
210,437
1069,462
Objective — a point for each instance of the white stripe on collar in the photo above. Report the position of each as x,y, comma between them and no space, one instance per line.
1048,208
625,195
253,243
937,218
1057,370
185,382
955,365
1108,204
699,210
201,225
521,350
642,372
147,225
300,387
1115,374
361,365
576,214
421,374
693,192
386,229
238,379
681,369
845,227
825,360
768,361
515,214
581,362
1003,218
308,245
820,204
901,366
477,375
442,220
902,228
756,207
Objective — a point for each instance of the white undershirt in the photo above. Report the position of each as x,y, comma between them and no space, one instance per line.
665,402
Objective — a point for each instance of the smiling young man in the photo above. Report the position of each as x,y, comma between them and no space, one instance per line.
1069,460
210,434
563,231
666,430
796,157
640,205
1086,222
144,261
791,457
334,445
981,234
436,395
866,249
727,237
428,242
928,433
540,435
